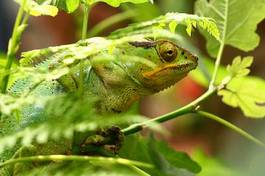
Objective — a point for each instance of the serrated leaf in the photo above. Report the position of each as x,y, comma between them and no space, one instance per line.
240,66
248,94
35,9
189,27
116,3
237,21
191,21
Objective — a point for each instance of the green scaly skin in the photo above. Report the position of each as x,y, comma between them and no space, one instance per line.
117,78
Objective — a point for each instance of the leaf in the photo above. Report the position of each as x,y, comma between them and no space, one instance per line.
67,5
172,26
116,3
236,19
35,9
240,66
167,161
72,5
247,93
212,166
163,21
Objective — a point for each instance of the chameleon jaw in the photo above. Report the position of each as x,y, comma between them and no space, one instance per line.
183,68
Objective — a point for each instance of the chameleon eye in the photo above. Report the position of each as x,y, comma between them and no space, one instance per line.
167,51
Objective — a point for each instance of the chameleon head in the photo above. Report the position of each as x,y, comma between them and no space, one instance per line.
172,64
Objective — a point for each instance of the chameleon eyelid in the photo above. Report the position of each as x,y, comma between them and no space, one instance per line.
144,44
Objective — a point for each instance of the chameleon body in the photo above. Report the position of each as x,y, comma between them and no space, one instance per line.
118,77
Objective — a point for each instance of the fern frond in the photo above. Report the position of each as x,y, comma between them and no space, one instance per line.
166,21
65,114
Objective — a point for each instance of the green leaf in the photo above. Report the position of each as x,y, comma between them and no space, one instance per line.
72,5
35,9
236,19
163,21
172,26
247,93
212,166
116,3
67,5
240,66
167,161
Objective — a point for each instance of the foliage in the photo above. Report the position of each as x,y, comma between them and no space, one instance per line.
246,93
116,3
171,20
213,166
166,160
238,91
237,29
35,9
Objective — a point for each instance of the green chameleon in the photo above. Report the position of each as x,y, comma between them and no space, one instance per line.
115,77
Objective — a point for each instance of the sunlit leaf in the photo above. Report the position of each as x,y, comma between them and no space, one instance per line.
67,5
240,66
247,93
116,3
35,9
172,26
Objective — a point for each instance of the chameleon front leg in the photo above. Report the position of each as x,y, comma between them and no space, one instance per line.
105,142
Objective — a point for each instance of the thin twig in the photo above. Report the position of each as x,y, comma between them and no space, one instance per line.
231,126
189,108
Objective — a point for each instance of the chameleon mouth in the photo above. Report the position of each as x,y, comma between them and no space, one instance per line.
182,68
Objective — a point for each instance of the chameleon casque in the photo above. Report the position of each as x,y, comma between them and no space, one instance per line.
116,82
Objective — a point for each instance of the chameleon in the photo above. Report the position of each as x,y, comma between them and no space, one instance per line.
117,78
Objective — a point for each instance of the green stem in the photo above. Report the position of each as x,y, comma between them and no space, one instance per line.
191,107
12,45
84,36
74,158
231,126
110,21
217,64
85,21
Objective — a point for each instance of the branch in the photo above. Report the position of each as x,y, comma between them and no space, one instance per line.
231,126
189,108
216,66
75,158
84,36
